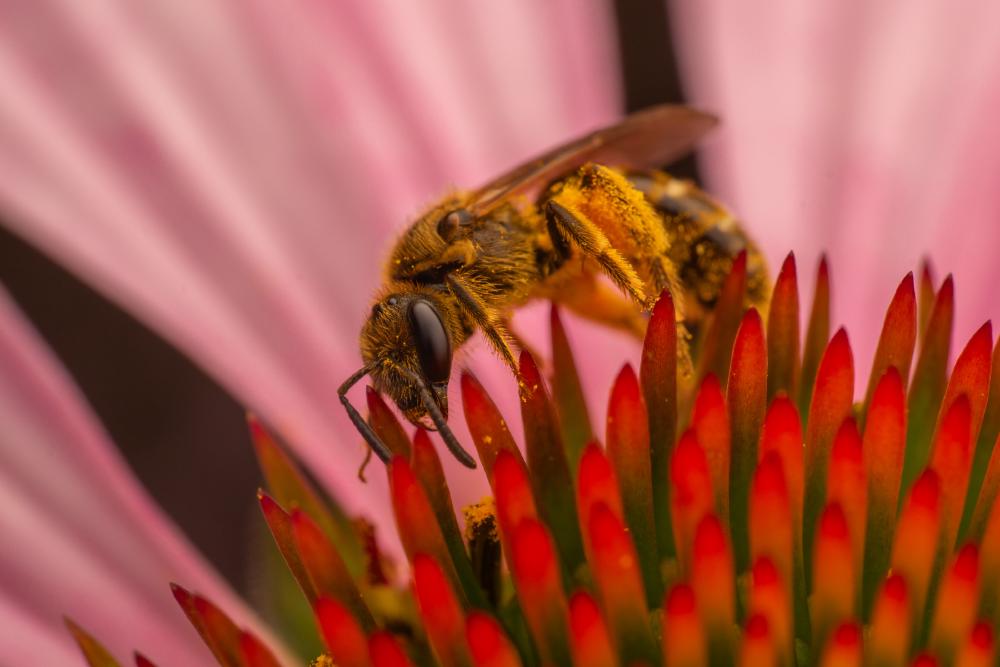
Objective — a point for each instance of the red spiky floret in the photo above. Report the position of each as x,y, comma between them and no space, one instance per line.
488,642
589,636
785,523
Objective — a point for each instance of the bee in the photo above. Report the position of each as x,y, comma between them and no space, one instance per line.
591,225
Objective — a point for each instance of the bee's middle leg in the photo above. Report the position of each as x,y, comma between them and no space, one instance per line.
595,300
488,321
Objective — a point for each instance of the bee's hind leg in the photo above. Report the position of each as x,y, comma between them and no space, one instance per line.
594,243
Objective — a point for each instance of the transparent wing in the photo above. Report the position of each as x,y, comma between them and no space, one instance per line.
650,138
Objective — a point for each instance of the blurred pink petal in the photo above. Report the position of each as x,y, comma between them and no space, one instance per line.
232,172
80,537
866,129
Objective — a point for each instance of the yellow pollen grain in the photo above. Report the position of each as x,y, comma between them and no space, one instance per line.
478,514
322,661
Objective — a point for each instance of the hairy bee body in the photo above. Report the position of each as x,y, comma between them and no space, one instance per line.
671,233
573,227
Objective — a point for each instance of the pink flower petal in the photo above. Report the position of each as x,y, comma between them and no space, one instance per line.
862,129
80,536
232,173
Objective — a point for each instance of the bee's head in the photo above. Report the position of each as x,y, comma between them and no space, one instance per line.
406,342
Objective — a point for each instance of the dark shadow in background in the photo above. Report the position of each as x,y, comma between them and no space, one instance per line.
649,65
185,436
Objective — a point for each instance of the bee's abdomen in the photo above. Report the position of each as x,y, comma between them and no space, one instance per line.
704,238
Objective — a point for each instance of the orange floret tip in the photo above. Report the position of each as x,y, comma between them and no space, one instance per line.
658,377
590,640
550,472
567,391
833,577
717,346
385,651
782,434
979,649
971,375
984,480
486,424
628,449
512,488
771,526
291,488
710,422
279,523
627,437
712,579
951,458
847,485
928,384
882,448
844,647
440,611
415,520
616,566
596,482
385,424
341,633
783,333
683,642
95,654
957,603
488,643
325,568
758,648
143,661
690,494
769,598
915,543
927,294
535,568
747,396
255,653
898,338
817,335
831,405
219,633
427,467
620,589
889,641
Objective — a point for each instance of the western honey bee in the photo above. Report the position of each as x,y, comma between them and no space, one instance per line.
549,229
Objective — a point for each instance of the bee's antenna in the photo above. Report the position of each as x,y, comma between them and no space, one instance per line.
379,447
442,426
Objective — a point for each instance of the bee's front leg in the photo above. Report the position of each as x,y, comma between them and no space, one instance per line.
486,318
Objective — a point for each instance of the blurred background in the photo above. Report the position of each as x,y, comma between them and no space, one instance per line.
184,435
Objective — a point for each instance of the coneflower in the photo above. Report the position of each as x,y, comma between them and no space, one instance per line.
744,511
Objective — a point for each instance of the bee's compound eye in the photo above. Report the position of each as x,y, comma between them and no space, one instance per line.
431,341
450,223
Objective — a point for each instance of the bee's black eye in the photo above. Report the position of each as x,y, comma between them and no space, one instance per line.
431,341
450,223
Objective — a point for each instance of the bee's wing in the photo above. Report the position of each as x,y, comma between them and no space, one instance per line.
649,138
